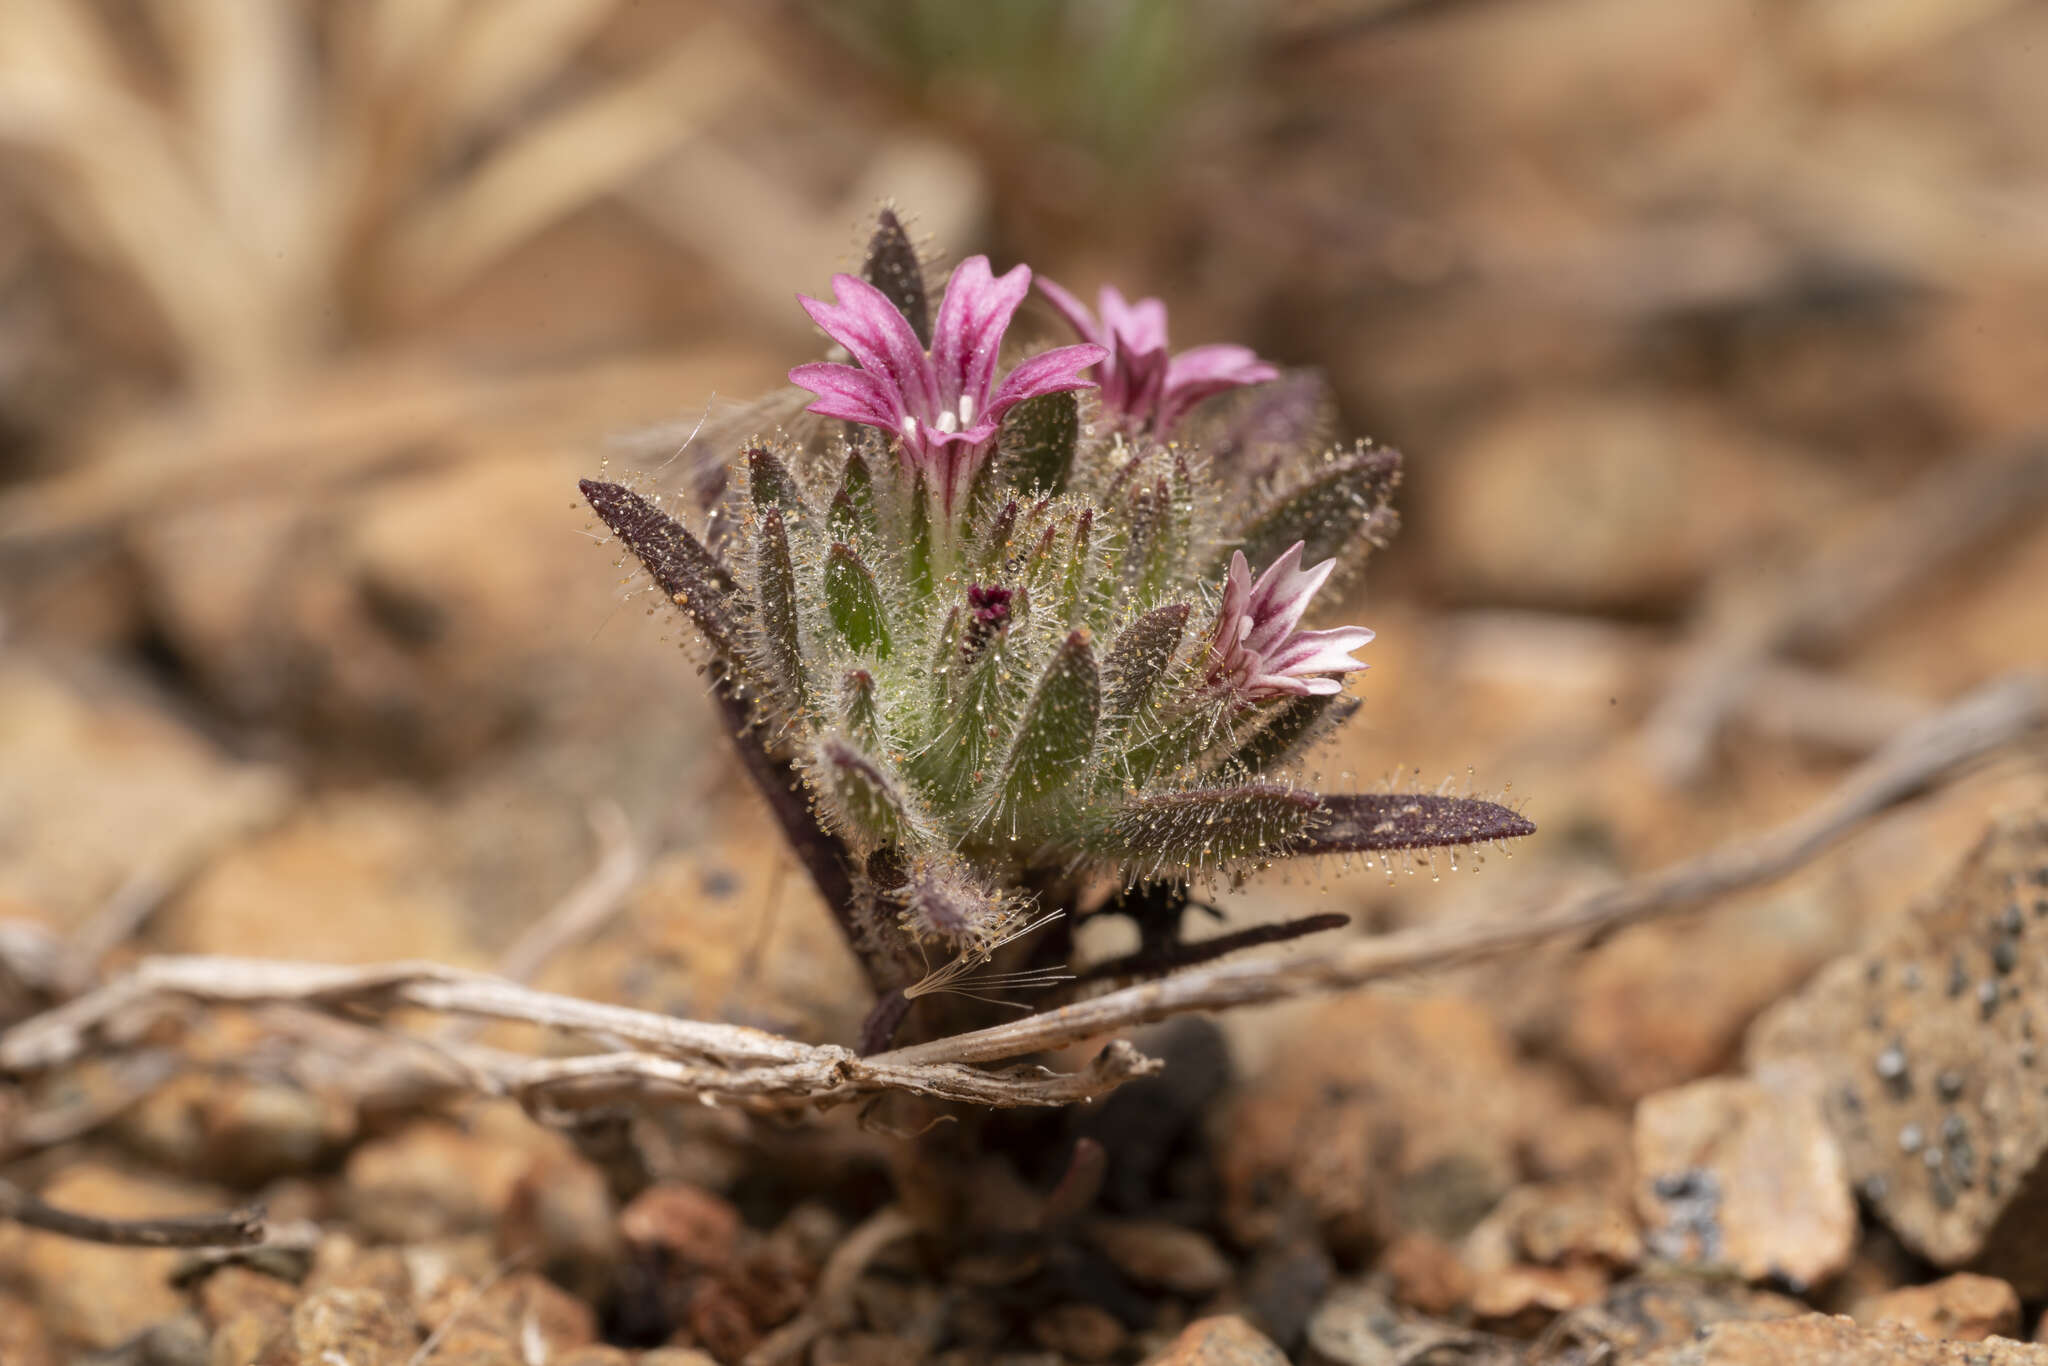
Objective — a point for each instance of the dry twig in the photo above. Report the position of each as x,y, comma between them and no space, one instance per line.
724,1062
1944,515
714,1063
832,1301
236,1228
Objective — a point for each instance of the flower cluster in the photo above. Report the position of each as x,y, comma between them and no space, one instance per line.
985,619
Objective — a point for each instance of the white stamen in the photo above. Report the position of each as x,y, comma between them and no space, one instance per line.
966,411
909,428
947,422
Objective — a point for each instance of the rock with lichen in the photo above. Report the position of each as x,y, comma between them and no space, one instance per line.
1928,1050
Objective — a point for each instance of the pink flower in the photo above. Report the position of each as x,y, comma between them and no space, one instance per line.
943,405
1140,386
1257,651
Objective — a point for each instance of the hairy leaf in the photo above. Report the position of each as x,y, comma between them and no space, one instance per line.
1074,591
684,568
1360,822
1058,727
775,588
855,602
1291,727
852,517
893,268
870,807
860,711
1345,499
917,556
770,484
1209,827
1036,447
1140,656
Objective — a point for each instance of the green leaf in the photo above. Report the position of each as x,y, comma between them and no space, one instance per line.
855,602
892,267
1291,727
775,590
993,560
684,569
1343,501
1208,828
770,484
947,664
860,711
1140,656
852,516
870,807
1037,443
1057,731
917,556
1362,822
1074,592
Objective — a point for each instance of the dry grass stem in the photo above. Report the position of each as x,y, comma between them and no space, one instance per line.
1815,608
236,1228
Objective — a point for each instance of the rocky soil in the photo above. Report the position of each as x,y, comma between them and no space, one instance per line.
1712,333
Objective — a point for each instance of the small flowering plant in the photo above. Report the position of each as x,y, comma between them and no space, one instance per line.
999,639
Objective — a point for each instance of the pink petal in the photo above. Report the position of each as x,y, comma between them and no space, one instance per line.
1316,652
1197,374
862,319
1140,326
968,334
1073,310
1281,596
854,395
1048,372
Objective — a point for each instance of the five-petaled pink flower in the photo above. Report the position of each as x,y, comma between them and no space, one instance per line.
1142,389
1257,650
943,405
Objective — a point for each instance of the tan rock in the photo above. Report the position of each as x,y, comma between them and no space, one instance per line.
694,1226
1558,1223
100,783
240,1130
1164,1254
1620,1026
363,874
1960,1306
23,1341
1084,1332
1636,1317
1823,1340
94,1295
431,1179
1654,494
1745,1174
1356,1325
520,1308
1522,1299
1386,1114
1426,1273
738,936
361,1327
1225,1340
1927,1054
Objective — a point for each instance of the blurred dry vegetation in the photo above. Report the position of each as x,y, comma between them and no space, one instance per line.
1713,333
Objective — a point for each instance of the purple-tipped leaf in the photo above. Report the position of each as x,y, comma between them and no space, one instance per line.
1342,502
782,656
676,559
1364,822
892,267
